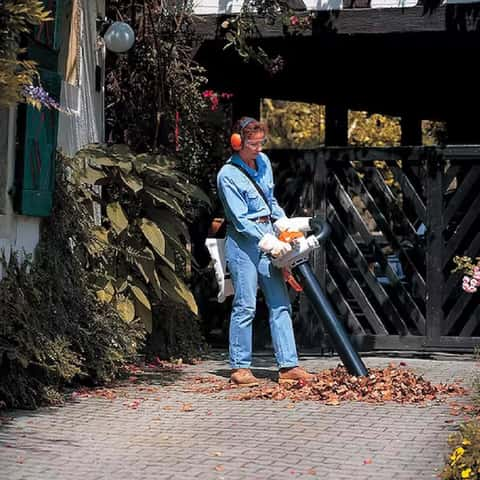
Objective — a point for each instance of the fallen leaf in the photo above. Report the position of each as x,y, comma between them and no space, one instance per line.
219,468
186,407
216,454
367,461
311,471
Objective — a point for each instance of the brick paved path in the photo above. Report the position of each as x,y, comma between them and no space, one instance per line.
158,430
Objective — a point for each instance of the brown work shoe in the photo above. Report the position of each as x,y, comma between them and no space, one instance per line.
294,374
243,377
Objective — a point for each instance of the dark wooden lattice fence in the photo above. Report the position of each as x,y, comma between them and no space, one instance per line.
398,217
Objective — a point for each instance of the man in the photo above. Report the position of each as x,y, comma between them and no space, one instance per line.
245,187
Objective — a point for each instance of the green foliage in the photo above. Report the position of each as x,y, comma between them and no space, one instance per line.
241,29
175,333
373,130
154,94
138,247
53,329
433,133
464,460
294,124
17,18
465,264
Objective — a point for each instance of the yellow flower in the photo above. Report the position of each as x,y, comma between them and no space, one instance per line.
466,442
457,453
466,473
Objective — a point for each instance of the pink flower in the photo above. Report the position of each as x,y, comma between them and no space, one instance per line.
476,272
215,98
294,20
470,284
469,289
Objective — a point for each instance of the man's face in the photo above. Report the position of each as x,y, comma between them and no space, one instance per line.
252,146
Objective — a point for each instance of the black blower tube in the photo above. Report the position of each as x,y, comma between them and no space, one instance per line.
335,329
324,310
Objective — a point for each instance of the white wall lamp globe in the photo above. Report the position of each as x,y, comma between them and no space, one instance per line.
119,37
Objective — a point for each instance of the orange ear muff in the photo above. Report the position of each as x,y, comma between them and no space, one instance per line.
236,141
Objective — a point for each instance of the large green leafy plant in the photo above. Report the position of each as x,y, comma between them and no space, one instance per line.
139,245
53,330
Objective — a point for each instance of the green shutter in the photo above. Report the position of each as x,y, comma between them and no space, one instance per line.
39,152
36,173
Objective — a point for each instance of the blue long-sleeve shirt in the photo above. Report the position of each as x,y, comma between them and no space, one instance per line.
240,199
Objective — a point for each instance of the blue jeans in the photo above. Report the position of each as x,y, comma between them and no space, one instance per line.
250,267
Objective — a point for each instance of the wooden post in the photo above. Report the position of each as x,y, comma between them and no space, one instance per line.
319,209
411,130
336,125
435,247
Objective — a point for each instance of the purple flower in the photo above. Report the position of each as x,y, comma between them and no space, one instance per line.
39,94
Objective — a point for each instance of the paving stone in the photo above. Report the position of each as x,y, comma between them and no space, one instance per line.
221,439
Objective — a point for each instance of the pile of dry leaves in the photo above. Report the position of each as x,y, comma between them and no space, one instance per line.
390,384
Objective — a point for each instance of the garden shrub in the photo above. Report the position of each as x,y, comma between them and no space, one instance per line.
53,330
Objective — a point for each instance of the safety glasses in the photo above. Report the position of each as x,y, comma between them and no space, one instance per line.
256,143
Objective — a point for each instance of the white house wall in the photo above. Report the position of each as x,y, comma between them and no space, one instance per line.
84,122
18,233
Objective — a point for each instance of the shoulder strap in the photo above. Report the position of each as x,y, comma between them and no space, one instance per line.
255,184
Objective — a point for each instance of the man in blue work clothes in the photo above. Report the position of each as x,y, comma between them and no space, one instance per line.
250,210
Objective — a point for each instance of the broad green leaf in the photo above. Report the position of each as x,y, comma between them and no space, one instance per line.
100,233
142,307
169,224
120,285
146,266
103,161
174,230
164,199
133,182
99,241
177,290
153,234
91,176
126,309
106,294
120,149
124,165
117,217
173,191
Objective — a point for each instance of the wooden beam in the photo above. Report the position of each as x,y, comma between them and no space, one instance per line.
366,343
448,18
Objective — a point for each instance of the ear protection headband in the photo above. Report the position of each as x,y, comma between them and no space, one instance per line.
236,140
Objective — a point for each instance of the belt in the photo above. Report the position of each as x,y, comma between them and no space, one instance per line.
265,219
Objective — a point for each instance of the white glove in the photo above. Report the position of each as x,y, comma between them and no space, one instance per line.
294,224
272,245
